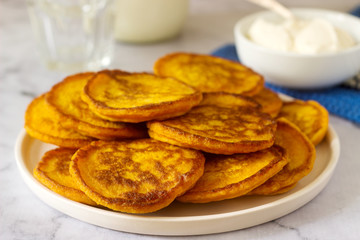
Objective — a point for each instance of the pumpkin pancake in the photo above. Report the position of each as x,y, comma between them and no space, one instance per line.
209,74
53,172
301,153
66,98
138,97
230,100
135,176
44,122
218,130
269,100
230,176
284,189
309,116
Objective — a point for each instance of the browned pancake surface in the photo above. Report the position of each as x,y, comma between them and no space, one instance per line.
53,172
232,176
138,97
228,100
309,116
66,98
217,129
136,176
209,74
301,153
269,100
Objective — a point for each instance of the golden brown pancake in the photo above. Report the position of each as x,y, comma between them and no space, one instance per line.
209,74
135,176
269,100
229,100
66,98
284,189
138,97
301,153
44,122
218,130
230,176
53,172
309,116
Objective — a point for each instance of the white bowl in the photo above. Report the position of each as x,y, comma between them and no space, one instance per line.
296,70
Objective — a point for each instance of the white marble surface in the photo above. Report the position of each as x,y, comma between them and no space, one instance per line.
333,214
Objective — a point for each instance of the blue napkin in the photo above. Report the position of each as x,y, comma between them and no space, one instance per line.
342,100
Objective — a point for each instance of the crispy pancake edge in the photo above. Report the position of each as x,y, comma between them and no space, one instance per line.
61,142
210,145
45,137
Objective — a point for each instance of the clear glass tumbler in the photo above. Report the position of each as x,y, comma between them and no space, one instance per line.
73,35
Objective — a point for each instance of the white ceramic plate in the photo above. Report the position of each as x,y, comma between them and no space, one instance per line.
181,218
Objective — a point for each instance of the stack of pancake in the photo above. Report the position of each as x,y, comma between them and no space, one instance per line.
199,129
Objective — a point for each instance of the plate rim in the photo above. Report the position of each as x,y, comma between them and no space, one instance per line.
308,192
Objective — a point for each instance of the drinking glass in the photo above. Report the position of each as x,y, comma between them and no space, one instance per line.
73,35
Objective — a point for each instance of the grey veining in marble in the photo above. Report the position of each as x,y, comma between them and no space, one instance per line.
333,214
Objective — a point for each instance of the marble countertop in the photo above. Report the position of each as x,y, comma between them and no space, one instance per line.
333,214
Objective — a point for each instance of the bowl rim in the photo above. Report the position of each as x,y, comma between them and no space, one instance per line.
240,23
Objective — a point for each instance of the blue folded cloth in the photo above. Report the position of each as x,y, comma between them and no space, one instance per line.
342,100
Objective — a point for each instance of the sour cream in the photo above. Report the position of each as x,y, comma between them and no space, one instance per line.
312,36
